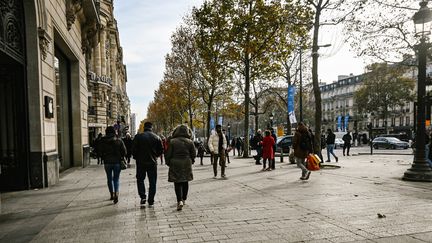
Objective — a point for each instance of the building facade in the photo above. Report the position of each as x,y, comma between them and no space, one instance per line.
340,111
108,101
46,51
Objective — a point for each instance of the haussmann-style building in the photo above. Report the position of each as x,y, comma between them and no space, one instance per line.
62,79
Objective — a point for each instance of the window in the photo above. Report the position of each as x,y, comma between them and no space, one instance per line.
393,122
400,121
407,121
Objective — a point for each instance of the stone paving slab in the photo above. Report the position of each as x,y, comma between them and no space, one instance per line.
335,205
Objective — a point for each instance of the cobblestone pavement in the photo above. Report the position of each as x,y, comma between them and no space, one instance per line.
334,205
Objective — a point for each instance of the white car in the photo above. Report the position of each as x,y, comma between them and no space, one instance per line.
338,143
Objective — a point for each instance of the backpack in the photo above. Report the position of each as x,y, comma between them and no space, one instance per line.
305,141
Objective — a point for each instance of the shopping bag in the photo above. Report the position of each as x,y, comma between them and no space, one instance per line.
317,158
312,163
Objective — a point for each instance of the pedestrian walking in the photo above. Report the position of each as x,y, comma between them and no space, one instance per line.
330,141
146,149
233,145
273,134
217,145
239,145
267,154
302,144
347,142
228,149
201,151
112,150
257,145
95,148
164,148
179,157
127,140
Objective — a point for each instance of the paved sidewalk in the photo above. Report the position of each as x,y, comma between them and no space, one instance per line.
335,205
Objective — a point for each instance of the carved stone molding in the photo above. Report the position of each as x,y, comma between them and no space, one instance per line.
72,8
44,40
11,29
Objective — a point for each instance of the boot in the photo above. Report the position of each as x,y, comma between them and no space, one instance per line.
115,197
112,196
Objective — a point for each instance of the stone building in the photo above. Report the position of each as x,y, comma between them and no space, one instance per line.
340,110
108,101
46,50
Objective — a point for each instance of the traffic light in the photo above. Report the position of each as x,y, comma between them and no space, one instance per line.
369,126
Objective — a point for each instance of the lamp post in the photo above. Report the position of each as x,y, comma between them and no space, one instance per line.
229,131
420,170
271,120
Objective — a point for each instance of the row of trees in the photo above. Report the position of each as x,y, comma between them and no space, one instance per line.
236,57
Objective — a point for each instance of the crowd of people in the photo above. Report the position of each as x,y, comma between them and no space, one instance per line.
179,152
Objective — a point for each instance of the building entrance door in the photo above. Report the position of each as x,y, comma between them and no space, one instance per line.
14,139
63,110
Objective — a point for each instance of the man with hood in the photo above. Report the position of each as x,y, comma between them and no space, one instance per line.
179,157
217,145
146,149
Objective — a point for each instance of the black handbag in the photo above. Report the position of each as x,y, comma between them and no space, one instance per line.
123,164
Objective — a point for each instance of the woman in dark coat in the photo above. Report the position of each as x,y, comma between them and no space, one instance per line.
112,150
179,157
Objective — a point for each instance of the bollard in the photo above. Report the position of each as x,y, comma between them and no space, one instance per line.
281,156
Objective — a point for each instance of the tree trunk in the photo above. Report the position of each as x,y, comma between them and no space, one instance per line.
247,100
208,120
191,119
256,116
316,88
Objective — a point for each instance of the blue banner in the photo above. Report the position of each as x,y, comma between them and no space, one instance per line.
339,123
220,120
291,95
212,124
346,122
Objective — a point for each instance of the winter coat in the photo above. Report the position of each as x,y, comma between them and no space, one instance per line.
146,148
213,143
111,149
267,144
330,139
180,155
128,143
347,139
298,151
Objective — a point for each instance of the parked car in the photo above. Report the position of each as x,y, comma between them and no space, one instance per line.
402,136
389,143
284,142
339,143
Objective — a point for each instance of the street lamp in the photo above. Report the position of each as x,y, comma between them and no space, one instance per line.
420,170
271,120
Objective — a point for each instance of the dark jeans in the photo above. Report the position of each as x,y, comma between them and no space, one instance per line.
141,172
181,190
346,146
113,176
221,158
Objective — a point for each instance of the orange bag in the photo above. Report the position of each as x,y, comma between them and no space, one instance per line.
312,163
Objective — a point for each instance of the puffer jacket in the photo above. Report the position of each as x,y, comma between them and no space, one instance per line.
111,149
180,155
146,148
213,143
298,151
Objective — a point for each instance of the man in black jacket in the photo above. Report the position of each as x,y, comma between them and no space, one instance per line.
146,149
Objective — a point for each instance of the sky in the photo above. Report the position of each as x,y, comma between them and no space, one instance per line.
145,28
